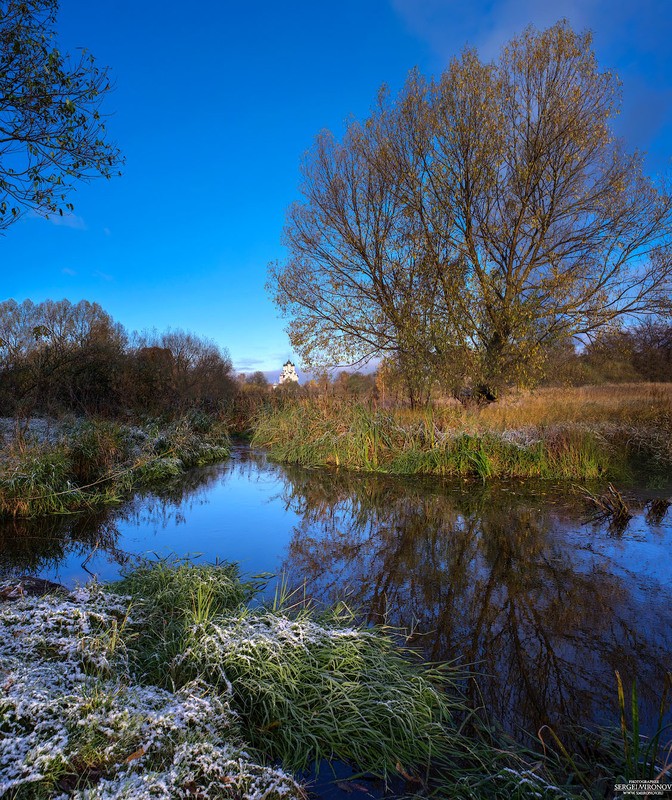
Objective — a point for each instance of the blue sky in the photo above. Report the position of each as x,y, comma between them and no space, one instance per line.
214,105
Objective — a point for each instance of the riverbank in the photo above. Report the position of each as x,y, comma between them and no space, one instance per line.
80,465
608,432
167,684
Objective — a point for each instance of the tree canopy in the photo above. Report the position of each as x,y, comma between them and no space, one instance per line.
474,221
52,133
60,356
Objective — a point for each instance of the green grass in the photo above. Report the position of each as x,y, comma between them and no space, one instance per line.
167,683
100,462
309,691
305,689
174,599
168,676
314,435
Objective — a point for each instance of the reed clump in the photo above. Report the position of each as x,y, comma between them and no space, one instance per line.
609,755
97,462
575,434
306,687
98,705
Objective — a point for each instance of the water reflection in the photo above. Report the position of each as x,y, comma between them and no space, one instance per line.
39,547
511,583
508,579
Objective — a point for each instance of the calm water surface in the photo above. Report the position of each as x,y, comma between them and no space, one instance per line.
509,580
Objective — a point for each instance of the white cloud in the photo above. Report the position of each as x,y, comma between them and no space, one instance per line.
67,221
249,364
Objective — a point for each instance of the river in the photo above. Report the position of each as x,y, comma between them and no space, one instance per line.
537,605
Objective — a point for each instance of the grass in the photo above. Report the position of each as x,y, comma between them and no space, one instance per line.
99,462
167,684
174,599
644,759
608,756
576,434
305,688
310,691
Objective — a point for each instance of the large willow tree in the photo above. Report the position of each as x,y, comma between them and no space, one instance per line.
471,223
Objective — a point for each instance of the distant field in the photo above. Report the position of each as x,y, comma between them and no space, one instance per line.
623,402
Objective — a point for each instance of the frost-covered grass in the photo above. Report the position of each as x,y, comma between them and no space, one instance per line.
305,689
66,733
97,462
167,685
174,599
309,691
77,722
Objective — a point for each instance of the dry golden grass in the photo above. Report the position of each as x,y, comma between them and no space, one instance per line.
626,403
614,432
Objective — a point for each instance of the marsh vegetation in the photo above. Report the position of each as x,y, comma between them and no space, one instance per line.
168,680
577,433
94,463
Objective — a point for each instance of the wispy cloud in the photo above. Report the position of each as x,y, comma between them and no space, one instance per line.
447,26
510,17
249,364
67,221
270,364
102,275
68,271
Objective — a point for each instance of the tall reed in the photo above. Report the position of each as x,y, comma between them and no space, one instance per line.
575,434
99,462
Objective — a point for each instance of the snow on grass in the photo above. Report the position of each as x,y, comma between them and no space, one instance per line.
310,690
171,687
81,629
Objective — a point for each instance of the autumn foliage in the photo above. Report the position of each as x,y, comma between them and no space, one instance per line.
474,223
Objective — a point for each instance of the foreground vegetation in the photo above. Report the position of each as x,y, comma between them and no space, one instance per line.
169,685
97,462
573,433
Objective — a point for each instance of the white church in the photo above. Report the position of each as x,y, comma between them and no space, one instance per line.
288,375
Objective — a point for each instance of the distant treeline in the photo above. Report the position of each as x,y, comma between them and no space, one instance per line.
624,355
58,356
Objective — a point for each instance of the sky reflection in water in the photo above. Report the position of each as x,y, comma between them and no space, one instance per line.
508,579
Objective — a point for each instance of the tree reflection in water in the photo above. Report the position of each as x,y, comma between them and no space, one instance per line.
505,580
537,607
